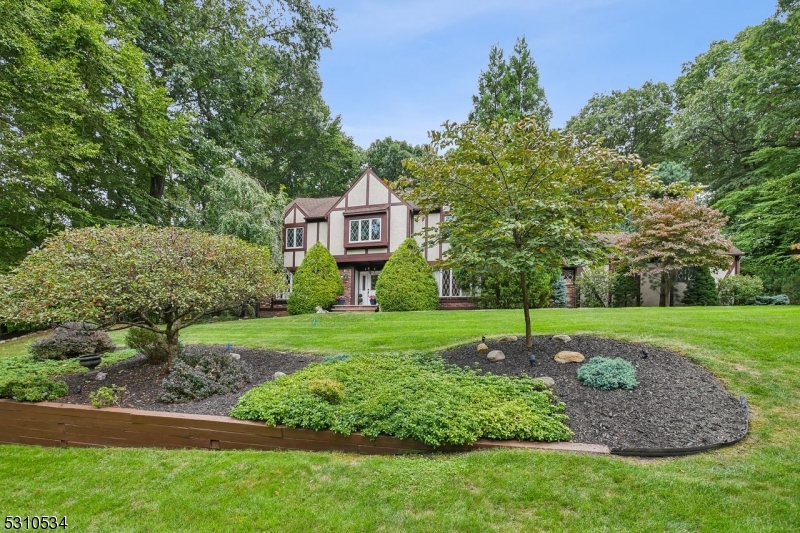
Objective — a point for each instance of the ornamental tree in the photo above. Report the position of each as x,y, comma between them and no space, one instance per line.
673,234
523,197
160,279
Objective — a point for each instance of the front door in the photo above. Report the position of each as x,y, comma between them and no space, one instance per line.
366,286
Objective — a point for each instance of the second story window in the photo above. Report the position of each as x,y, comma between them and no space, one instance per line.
294,237
365,230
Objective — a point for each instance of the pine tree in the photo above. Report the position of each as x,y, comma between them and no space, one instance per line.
510,89
560,292
702,289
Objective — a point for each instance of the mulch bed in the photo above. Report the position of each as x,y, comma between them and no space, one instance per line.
143,381
676,404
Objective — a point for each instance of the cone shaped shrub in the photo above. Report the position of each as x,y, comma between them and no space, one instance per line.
317,282
406,283
702,289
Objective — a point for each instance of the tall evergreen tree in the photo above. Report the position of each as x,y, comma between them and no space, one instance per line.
701,289
510,89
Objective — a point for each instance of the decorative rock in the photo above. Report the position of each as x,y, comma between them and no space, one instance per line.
508,338
277,375
482,348
547,381
563,338
569,357
235,356
100,376
495,356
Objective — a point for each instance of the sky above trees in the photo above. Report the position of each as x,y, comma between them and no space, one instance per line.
401,69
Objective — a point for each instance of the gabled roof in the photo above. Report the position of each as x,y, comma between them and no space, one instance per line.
314,207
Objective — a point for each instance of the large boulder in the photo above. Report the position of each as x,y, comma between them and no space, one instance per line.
569,357
495,356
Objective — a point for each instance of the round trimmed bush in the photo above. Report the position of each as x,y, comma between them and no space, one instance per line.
317,282
406,282
607,374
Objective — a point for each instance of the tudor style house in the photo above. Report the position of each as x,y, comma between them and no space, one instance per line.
369,221
361,229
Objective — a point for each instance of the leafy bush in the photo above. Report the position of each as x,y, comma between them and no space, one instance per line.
406,282
70,340
418,397
596,286
201,373
33,388
607,374
503,290
560,297
149,343
778,299
740,290
701,289
328,389
106,396
317,282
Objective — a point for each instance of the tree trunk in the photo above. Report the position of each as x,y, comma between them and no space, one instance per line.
172,347
157,184
662,297
526,308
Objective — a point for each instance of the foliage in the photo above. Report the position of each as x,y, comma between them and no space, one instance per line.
406,282
386,157
627,290
238,205
740,290
634,121
500,290
778,299
738,118
328,389
317,282
560,296
335,358
201,373
510,89
607,374
524,197
161,279
596,286
72,339
151,344
32,388
416,397
107,396
701,288
675,233
86,128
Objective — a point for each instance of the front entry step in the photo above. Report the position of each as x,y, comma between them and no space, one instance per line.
355,308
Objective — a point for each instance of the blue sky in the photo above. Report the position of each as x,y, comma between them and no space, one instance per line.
401,68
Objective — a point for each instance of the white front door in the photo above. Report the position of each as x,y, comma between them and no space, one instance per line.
366,286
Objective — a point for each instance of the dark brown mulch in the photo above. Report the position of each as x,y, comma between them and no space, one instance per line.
143,381
676,404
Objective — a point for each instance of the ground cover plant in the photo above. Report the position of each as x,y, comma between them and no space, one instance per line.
411,397
753,486
608,373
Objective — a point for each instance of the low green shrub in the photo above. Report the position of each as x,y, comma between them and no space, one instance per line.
106,396
203,372
335,358
32,388
149,343
607,374
778,299
71,340
740,290
411,397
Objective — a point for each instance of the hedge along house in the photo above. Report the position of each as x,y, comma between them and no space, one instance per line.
361,229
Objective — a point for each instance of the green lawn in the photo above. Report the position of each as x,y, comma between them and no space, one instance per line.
754,486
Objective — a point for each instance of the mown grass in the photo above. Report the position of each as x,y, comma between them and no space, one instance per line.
754,486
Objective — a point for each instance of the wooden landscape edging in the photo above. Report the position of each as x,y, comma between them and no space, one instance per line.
58,424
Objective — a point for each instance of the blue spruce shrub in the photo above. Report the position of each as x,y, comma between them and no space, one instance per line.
607,374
